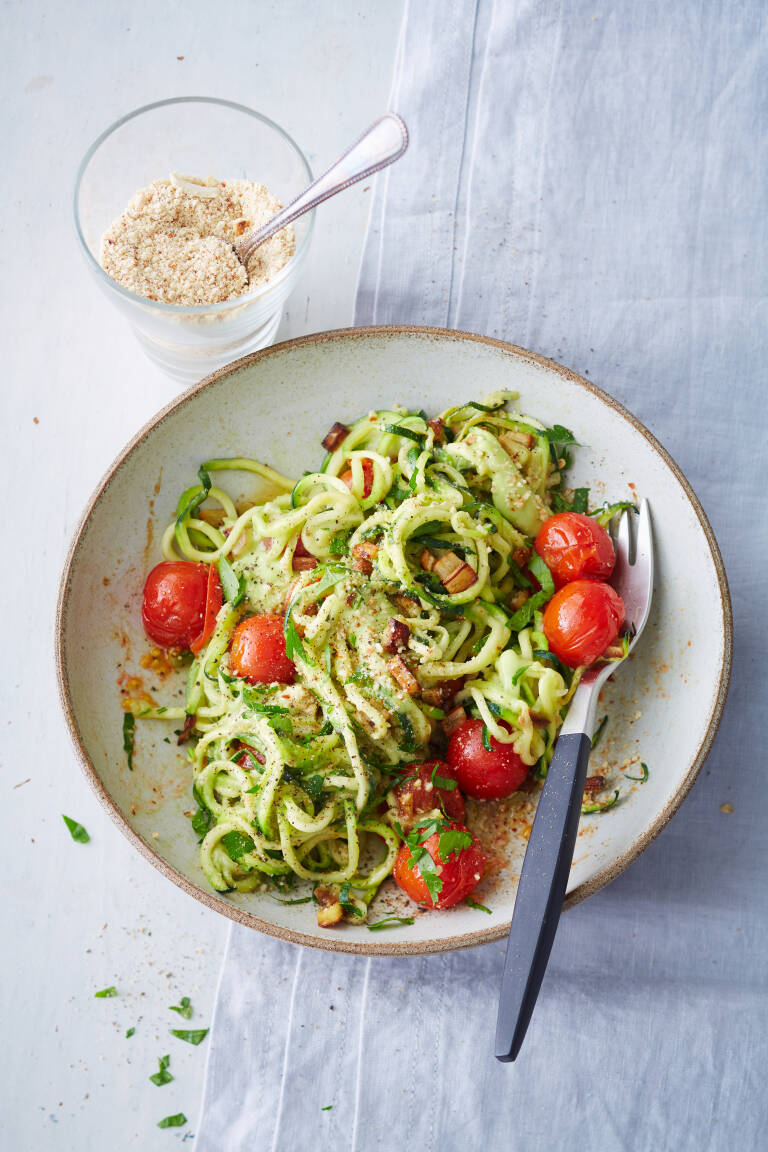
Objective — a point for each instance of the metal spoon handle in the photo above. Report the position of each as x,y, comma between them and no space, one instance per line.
385,141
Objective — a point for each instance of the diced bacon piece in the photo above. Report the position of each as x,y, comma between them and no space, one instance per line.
521,556
405,678
363,555
512,439
427,560
452,721
517,599
438,428
407,605
396,636
304,563
594,784
335,437
187,730
330,911
455,574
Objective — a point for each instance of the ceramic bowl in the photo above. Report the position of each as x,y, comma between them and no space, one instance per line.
663,705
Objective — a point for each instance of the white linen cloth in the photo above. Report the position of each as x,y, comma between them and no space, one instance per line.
587,180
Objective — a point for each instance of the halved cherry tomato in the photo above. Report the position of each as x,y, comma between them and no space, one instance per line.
417,793
582,620
257,652
459,874
575,547
481,774
213,602
173,607
346,477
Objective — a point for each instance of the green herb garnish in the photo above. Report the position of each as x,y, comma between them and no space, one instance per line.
172,1121
76,831
129,734
524,614
130,1033
640,779
105,993
486,739
605,514
581,500
237,844
191,1036
232,585
184,1007
389,922
474,904
162,1076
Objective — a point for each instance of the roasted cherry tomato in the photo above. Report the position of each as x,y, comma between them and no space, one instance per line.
459,873
575,547
481,774
417,793
257,652
367,477
173,609
213,602
582,620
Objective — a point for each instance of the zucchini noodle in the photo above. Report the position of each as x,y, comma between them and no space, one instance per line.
411,528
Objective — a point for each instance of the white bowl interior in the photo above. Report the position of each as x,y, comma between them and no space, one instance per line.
663,705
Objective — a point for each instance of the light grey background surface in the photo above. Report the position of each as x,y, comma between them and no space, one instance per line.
588,181
79,918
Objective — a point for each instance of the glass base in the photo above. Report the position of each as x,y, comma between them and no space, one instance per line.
188,364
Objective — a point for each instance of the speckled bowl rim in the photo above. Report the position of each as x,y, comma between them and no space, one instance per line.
331,942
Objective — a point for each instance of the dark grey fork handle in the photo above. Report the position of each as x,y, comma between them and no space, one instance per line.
541,890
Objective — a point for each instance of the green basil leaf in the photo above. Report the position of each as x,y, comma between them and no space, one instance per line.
232,585
173,1121
452,842
237,845
76,831
184,1007
201,821
191,1036
581,500
105,993
162,1076
130,1033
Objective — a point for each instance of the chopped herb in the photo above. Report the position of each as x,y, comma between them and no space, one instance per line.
313,786
201,821
298,900
129,734
236,844
599,731
389,922
520,672
192,1036
444,782
560,504
199,497
293,644
346,902
605,514
452,842
409,740
173,1121
541,572
545,654
486,738
162,1076
640,779
408,433
130,1033
76,831
338,544
474,904
184,1007
105,993
557,434
581,500
327,1108
438,542
232,585
588,808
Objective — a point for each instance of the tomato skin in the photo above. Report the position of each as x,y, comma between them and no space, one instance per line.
481,774
582,620
461,872
257,652
213,602
575,547
415,797
173,607
346,477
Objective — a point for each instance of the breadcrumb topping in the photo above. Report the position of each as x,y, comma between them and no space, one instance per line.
174,241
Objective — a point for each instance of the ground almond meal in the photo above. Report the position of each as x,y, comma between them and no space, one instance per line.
174,240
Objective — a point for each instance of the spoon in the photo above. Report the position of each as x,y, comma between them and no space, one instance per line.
385,141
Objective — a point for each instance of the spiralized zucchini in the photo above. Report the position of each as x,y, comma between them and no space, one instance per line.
290,780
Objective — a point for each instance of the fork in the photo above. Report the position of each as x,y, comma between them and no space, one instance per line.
547,862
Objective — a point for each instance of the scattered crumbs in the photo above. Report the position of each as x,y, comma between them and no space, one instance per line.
35,420
636,716
727,808
179,57
22,783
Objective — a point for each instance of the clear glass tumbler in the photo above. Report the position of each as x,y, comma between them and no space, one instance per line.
201,137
